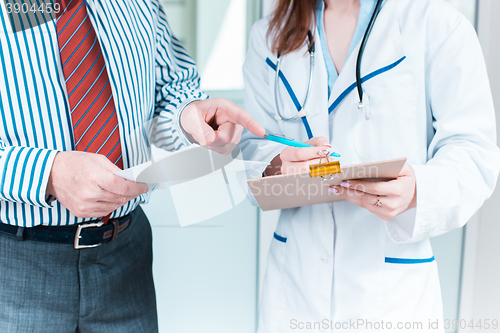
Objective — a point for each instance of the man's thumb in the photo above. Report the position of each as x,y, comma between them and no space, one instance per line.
207,135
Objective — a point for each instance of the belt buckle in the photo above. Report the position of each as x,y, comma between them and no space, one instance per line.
78,236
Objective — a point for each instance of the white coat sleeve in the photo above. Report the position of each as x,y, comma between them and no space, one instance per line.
259,103
463,158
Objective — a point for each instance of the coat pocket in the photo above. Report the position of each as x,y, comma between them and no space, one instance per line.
391,131
408,261
408,253
412,294
280,238
277,255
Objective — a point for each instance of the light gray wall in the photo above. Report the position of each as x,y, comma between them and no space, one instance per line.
481,285
210,16
267,7
205,274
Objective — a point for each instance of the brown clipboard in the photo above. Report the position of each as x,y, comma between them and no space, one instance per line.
311,188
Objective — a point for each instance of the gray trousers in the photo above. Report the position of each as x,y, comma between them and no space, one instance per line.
47,287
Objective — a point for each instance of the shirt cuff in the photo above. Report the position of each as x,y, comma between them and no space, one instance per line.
24,175
177,120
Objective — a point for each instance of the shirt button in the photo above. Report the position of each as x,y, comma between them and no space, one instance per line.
325,259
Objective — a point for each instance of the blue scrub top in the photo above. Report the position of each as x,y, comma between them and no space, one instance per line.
365,14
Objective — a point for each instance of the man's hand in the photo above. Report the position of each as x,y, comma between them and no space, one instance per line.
85,184
396,196
217,120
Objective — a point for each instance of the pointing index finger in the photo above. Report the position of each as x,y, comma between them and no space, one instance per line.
237,115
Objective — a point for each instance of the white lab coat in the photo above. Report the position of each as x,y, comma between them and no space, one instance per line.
431,102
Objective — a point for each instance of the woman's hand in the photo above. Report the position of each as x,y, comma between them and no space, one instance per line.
295,160
396,196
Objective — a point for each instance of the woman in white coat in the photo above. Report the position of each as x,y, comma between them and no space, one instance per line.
355,265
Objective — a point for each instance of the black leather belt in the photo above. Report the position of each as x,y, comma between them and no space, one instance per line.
82,236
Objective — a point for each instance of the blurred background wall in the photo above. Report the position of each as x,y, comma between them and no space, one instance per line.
206,274
480,297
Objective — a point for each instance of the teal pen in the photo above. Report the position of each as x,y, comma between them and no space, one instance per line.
291,142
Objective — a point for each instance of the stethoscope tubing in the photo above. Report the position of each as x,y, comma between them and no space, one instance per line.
302,113
362,48
312,51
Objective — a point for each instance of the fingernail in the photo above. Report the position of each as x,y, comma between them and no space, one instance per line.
345,184
333,153
327,144
333,190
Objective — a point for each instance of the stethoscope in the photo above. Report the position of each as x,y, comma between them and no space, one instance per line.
363,99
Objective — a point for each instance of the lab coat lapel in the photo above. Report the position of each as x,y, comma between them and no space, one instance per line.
383,51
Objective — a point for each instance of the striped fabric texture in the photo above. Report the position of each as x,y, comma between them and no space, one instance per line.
150,77
92,108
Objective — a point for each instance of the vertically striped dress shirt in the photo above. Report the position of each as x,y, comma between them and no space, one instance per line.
151,77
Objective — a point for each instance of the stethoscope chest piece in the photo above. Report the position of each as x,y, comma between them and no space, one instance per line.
364,106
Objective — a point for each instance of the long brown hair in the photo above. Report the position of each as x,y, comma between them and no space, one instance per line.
290,24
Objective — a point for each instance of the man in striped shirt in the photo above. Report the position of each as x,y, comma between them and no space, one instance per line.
76,94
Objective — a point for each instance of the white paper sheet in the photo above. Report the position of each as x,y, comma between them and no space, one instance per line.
203,183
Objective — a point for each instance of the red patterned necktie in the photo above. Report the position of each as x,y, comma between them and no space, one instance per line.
93,112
